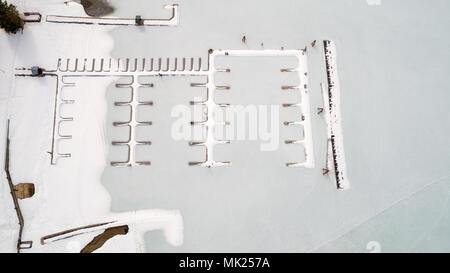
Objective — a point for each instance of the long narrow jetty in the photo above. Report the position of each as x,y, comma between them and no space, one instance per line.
333,107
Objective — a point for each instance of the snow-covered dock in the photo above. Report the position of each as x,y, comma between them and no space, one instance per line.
332,104
174,67
172,21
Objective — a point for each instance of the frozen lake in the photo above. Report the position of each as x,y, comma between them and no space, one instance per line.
393,68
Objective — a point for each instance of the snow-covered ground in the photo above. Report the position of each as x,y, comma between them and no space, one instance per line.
69,194
9,225
394,118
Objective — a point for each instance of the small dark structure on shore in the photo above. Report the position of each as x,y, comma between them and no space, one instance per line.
36,71
24,190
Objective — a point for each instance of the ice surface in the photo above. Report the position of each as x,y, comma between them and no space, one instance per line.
394,117
394,92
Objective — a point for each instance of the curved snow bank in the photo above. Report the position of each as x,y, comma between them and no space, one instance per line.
170,222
